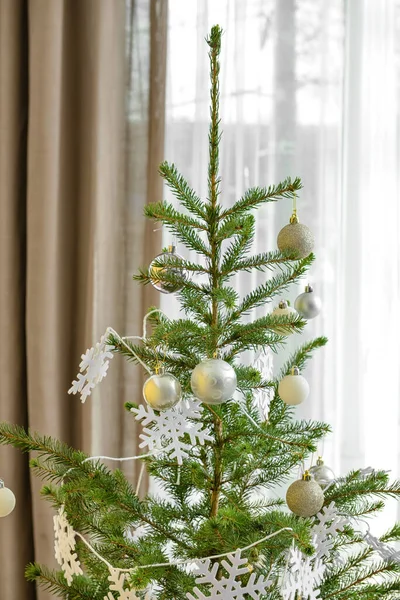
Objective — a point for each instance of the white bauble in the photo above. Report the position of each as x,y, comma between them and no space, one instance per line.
283,308
293,389
162,391
213,381
7,501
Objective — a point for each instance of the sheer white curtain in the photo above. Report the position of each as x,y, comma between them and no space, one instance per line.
309,89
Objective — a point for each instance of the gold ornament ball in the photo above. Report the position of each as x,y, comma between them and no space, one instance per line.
162,391
296,237
304,497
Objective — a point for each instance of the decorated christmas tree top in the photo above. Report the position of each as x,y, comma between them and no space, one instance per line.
217,532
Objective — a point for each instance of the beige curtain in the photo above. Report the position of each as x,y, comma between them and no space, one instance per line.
74,176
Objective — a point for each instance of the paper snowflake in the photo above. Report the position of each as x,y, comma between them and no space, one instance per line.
305,573
263,362
326,529
368,471
304,576
167,428
93,368
118,580
229,586
384,550
64,546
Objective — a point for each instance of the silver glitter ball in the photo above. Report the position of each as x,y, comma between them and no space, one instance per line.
213,381
162,391
304,497
308,304
322,474
156,270
297,238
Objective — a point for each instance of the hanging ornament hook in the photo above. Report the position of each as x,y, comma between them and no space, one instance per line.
294,218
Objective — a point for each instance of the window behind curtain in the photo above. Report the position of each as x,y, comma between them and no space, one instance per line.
307,90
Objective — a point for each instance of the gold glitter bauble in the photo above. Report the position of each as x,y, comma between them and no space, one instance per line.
304,497
296,237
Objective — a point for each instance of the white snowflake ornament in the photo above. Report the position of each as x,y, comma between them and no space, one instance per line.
229,586
64,546
384,550
304,576
167,428
363,473
326,529
263,362
93,368
117,584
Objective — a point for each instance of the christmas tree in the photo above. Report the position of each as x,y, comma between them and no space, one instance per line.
216,532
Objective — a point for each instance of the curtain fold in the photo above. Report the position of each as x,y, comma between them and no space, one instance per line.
75,172
16,542
74,200
370,248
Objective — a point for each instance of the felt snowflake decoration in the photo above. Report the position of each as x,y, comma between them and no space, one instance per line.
167,428
64,546
93,368
303,577
326,529
117,581
264,364
384,550
363,473
306,572
229,586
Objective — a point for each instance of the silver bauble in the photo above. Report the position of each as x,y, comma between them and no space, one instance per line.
213,381
308,305
296,238
162,391
322,474
155,271
304,497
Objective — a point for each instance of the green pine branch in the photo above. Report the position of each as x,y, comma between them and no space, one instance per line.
182,191
262,262
166,213
255,197
214,136
302,355
271,288
54,582
240,245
